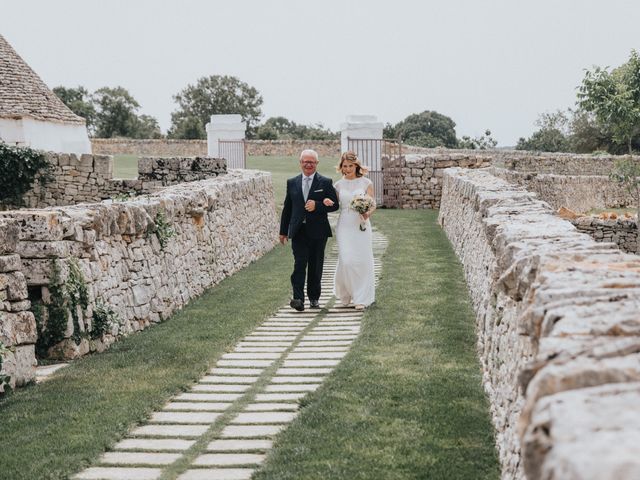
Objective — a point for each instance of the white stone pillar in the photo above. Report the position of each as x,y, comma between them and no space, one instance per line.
224,127
360,126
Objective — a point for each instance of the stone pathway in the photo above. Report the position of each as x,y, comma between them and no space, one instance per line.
224,426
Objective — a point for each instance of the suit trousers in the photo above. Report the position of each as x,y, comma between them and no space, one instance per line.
307,253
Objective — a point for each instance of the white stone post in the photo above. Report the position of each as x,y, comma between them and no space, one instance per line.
360,126
224,127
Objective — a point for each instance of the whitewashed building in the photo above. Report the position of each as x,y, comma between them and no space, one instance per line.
31,114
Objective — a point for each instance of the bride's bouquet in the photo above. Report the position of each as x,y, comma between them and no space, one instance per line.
362,204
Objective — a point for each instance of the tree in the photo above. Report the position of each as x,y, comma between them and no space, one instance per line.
484,142
552,135
147,127
427,129
189,127
282,128
79,102
614,98
217,94
116,113
588,136
627,173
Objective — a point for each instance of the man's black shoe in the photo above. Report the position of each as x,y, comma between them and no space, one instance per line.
314,303
297,304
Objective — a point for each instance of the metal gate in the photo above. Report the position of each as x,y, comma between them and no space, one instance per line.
370,152
234,152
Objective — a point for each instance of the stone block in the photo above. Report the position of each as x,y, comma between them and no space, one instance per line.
10,263
36,224
9,234
17,328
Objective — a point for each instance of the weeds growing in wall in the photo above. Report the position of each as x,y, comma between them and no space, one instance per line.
164,231
19,168
4,379
69,300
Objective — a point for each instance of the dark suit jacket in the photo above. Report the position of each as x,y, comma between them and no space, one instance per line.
293,212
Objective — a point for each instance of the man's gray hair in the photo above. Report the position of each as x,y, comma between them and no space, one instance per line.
309,153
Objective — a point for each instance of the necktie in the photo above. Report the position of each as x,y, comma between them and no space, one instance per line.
306,186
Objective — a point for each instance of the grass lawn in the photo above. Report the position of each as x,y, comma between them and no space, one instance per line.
125,166
407,402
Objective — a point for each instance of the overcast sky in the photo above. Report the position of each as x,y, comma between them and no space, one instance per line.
486,64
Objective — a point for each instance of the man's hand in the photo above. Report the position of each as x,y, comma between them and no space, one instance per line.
328,202
310,206
283,239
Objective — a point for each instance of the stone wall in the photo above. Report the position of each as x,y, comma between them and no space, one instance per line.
578,182
189,148
558,331
415,181
621,231
89,178
220,225
17,323
580,193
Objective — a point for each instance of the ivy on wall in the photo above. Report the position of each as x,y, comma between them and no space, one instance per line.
67,300
4,379
19,168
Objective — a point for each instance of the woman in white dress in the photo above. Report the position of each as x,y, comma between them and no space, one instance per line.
354,281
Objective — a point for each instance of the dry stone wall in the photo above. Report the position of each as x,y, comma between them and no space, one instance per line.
621,231
558,331
89,178
190,148
17,323
132,263
415,181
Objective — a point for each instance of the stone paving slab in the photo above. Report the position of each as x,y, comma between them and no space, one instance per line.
139,458
229,459
199,406
184,417
304,371
340,323
251,431
292,387
323,337
205,387
236,371
310,363
260,349
208,397
270,407
279,397
244,363
239,445
272,334
119,473
320,349
286,323
266,338
154,444
316,355
217,474
251,356
170,430
331,328
264,417
301,379
326,343
228,379
277,328
264,344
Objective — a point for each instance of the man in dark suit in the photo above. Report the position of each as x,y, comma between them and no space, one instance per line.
304,220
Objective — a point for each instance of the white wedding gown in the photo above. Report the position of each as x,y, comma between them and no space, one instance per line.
354,280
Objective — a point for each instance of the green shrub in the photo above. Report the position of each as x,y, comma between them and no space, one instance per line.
104,319
19,168
4,379
163,231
